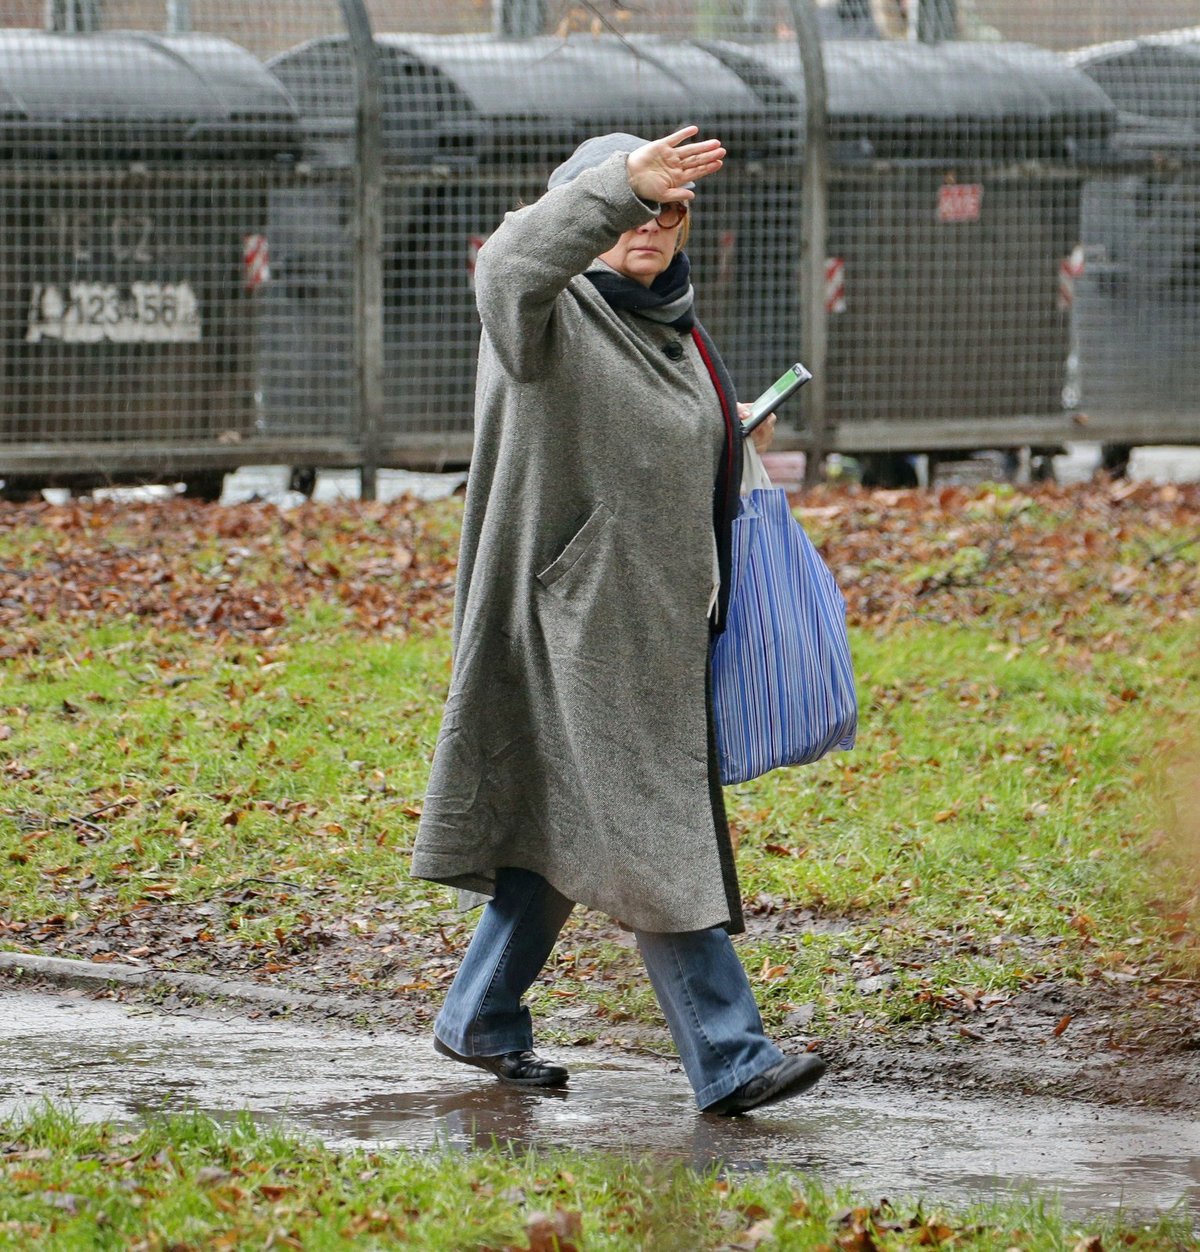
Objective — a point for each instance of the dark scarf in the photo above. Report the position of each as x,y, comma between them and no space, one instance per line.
670,300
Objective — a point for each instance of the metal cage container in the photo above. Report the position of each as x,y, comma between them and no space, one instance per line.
472,127
1138,312
954,207
134,171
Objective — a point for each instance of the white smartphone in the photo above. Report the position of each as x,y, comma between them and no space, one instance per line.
766,404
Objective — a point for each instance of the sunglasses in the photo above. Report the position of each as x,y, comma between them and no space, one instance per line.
671,216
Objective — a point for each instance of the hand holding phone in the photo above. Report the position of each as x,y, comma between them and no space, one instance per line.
784,386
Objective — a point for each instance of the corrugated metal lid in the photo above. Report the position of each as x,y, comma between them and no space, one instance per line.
1154,82
582,76
89,88
467,97
945,99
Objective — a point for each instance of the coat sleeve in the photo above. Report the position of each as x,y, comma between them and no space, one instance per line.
536,251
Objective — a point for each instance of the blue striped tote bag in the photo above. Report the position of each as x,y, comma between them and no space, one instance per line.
783,685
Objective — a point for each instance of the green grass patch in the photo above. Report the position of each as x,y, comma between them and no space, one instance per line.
1000,819
187,1182
220,799
143,762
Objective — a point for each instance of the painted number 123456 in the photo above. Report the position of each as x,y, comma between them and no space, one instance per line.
143,312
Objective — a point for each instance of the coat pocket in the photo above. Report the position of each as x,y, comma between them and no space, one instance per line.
577,549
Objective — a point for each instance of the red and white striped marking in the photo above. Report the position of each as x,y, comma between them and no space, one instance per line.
256,261
835,284
1070,268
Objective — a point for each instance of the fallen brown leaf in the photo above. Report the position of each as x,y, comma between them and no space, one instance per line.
857,1238
554,1232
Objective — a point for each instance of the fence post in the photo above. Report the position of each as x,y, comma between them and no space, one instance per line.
518,19
368,243
179,17
931,21
814,232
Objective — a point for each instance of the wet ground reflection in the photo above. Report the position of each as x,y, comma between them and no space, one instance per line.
390,1090
485,1115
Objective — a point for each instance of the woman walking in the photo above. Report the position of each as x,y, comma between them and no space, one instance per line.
575,762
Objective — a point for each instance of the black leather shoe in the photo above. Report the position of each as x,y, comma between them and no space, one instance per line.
791,1077
521,1069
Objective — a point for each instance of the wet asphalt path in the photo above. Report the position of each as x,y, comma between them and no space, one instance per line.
389,1090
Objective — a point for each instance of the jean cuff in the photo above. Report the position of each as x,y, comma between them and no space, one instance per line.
730,1082
475,1044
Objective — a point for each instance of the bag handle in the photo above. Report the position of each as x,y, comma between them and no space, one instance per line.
754,472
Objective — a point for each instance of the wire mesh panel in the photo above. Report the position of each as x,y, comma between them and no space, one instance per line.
195,275
954,203
1138,300
480,103
1050,247
1054,24
968,174
141,148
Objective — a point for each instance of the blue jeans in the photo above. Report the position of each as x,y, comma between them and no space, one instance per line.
700,984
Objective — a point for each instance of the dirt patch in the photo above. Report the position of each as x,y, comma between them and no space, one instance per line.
1118,1047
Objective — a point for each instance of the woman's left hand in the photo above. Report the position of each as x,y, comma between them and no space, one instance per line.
764,434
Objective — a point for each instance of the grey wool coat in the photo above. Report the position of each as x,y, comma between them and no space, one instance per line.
576,739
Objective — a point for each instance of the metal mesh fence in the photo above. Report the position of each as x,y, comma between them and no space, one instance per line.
145,150
245,232
473,125
1138,309
1038,280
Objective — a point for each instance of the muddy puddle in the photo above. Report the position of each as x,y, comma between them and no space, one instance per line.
383,1090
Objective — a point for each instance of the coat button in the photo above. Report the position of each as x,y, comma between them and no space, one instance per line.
674,350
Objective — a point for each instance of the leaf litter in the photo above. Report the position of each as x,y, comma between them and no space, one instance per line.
1045,554
242,570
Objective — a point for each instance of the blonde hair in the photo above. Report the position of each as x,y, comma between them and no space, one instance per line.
685,229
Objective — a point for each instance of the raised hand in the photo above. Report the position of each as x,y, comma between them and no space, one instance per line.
659,169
